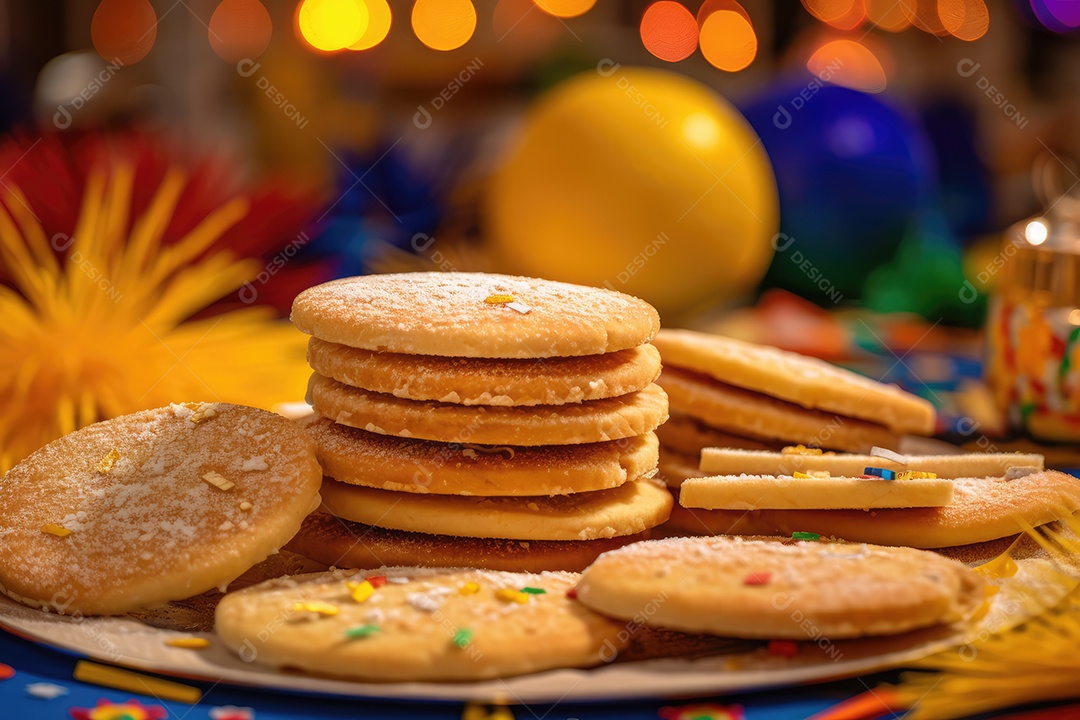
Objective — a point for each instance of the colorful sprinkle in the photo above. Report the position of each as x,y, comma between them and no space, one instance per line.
133,682
805,536
377,581
217,480
534,591
798,474
510,595
361,631
45,690
463,637
519,307
889,455
883,473
316,606
130,710
6,672
106,463
709,711
757,578
231,712
783,648
190,643
915,475
469,588
54,529
499,299
572,593
360,591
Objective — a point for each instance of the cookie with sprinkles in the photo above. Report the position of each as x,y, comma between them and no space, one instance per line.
154,506
413,624
780,590
476,315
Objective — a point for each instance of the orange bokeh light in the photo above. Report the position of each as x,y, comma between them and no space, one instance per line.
565,8
379,21
710,6
850,64
444,24
965,19
123,31
923,14
239,30
841,14
669,31
887,15
728,40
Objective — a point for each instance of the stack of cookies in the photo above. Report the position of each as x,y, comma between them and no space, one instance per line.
734,394
476,420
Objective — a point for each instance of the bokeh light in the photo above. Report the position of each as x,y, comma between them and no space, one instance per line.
518,23
840,14
669,31
239,29
123,31
444,24
965,19
923,14
1057,15
850,64
728,40
887,15
565,8
331,25
379,20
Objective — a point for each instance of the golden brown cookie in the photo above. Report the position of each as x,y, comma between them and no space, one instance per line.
689,436
342,543
783,492
589,422
729,461
631,508
983,509
417,624
359,457
805,381
154,506
742,412
483,381
675,467
780,590
474,315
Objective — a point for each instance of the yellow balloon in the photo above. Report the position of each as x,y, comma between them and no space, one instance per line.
640,180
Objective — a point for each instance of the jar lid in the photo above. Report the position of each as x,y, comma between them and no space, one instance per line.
1042,257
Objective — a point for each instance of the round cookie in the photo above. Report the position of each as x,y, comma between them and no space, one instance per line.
773,589
467,315
674,467
358,457
483,381
342,543
688,436
139,510
805,381
742,412
628,509
589,422
417,625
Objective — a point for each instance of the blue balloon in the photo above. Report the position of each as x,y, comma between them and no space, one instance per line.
852,174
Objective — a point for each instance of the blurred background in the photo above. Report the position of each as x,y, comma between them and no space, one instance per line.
846,178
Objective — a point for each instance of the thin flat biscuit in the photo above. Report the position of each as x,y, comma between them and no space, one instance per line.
689,436
626,510
590,422
742,412
483,381
807,382
341,543
982,510
423,624
449,314
732,461
754,492
780,590
154,506
359,457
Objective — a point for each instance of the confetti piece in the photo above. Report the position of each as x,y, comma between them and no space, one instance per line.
134,682
534,591
203,412
882,473
469,588
360,591
463,637
572,593
798,474
106,463
316,606
519,307
54,529
889,455
189,643
757,578
883,699
499,299
708,711
510,595
231,712
783,648
46,691
215,478
915,475
6,672
361,631
805,536
800,450
377,581
129,710
245,505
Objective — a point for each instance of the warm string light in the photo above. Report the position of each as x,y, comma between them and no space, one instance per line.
444,24
963,19
727,38
239,30
379,21
669,31
331,25
850,64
